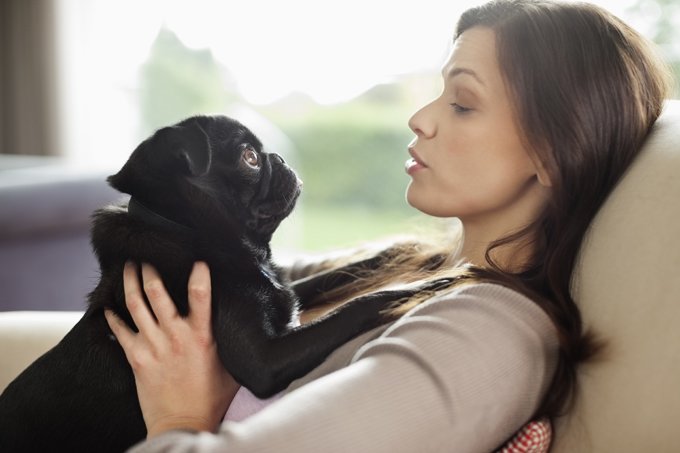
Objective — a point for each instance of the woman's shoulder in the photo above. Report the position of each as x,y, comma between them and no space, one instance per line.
487,300
490,291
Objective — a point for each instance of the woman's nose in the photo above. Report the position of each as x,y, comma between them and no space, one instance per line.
423,123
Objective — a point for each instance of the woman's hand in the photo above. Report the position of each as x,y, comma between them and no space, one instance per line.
181,383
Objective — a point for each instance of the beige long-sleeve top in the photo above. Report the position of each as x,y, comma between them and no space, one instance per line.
459,373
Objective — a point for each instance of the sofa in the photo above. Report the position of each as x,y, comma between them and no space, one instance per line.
46,261
627,283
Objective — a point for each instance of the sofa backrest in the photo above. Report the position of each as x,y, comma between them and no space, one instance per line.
627,285
46,261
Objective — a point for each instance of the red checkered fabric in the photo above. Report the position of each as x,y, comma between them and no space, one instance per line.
534,437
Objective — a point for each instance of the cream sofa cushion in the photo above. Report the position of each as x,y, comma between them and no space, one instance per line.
628,288
26,335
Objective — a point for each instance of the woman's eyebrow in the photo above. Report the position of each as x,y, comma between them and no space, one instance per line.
458,71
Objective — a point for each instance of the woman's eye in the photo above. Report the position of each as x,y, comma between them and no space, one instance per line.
460,109
250,156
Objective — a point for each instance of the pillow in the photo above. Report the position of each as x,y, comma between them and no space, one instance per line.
534,437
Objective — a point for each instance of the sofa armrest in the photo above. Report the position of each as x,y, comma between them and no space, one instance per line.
26,335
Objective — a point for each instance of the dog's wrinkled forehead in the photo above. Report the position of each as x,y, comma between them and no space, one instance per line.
227,134
237,156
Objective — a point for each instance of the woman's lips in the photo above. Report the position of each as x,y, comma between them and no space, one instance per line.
414,163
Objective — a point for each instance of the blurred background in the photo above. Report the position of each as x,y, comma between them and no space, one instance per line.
329,85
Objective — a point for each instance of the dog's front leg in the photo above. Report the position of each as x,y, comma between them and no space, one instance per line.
267,364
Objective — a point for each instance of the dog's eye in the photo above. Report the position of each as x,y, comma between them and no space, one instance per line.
250,156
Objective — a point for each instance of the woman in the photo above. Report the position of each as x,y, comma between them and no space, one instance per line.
544,107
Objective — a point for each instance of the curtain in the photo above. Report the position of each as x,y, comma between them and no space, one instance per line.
28,88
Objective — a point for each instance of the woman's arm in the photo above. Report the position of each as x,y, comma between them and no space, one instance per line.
461,372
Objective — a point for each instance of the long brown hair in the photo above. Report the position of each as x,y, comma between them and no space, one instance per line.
587,89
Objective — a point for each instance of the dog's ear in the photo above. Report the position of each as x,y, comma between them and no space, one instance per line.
183,149
188,146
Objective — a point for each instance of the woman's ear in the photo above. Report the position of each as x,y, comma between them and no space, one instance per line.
543,177
541,172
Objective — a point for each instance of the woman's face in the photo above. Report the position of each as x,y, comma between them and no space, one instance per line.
468,159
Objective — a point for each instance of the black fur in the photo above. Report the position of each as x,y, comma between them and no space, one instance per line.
200,201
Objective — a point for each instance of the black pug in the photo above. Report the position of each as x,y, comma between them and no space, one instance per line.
202,189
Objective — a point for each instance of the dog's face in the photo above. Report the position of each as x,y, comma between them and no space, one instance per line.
210,172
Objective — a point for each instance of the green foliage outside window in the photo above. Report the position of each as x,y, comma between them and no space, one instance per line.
176,82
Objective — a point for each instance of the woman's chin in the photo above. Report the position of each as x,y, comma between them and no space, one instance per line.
411,199
428,205
420,204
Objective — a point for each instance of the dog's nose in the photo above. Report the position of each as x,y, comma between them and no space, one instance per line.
279,158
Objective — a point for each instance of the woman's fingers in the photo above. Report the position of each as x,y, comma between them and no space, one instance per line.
200,296
161,303
163,310
122,332
134,300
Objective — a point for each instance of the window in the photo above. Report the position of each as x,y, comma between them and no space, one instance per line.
330,86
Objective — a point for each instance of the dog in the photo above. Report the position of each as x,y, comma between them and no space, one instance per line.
202,189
